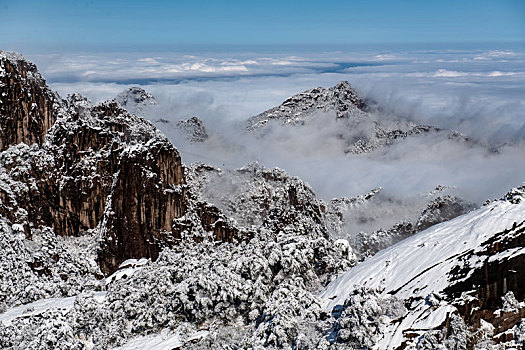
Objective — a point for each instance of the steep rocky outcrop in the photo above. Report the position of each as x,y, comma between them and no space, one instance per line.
443,208
500,262
105,186
101,170
255,196
193,128
135,100
28,106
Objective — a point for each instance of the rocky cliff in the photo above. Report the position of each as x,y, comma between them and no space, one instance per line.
28,106
99,168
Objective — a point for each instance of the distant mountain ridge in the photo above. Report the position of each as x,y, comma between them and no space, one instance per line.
341,98
360,130
135,100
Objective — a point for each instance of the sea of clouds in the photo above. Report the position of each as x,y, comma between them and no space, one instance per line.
479,92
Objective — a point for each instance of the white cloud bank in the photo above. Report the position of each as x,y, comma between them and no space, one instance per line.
480,93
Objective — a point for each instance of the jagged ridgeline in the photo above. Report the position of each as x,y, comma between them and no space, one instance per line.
360,130
76,167
107,240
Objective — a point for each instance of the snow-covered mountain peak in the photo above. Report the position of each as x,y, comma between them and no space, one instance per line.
135,99
341,99
16,59
193,128
342,113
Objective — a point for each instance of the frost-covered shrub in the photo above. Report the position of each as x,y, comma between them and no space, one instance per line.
50,330
45,266
279,324
95,323
431,340
264,282
509,302
459,334
364,317
519,333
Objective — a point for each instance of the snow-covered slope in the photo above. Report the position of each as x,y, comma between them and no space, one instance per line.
420,264
434,272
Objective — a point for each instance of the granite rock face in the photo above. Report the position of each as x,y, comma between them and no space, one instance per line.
91,168
498,272
27,108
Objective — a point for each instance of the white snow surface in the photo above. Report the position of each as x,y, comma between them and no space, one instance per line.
127,269
418,268
161,341
42,305
153,342
419,265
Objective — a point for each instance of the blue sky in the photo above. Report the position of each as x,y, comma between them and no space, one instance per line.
52,24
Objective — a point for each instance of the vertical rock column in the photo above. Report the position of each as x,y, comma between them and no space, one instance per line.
145,199
26,103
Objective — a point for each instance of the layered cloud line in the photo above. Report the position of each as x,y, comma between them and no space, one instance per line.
480,93
137,67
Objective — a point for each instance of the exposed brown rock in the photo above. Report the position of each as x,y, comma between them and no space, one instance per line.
101,169
27,104
213,220
144,201
489,283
